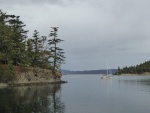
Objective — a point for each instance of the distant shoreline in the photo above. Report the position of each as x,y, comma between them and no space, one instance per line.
146,73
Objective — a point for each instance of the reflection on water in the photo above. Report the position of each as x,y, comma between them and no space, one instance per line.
121,94
136,81
142,82
31,99
82,94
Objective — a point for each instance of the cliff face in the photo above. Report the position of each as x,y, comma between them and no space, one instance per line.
35,75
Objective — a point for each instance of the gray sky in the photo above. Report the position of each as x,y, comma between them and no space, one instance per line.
96,32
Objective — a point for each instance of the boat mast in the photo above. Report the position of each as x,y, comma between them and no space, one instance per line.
106,69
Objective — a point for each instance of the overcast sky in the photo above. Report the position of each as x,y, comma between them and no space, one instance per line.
96,32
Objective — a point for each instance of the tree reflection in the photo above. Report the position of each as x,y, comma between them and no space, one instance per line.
31,99
143,82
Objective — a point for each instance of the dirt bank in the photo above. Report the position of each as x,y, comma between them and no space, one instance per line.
30,75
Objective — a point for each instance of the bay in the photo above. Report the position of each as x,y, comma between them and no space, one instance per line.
121,94
82,94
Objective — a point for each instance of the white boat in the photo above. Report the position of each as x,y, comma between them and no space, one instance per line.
108,75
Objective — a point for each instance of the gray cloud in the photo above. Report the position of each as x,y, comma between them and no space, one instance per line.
35,2
95,31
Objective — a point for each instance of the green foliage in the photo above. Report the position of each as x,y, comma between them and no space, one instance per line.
16,49
57,54
7,73
37,53
12,39
138,69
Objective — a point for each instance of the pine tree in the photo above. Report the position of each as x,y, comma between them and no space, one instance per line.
12,39
57,54
5,42
36,50
19,36
40,53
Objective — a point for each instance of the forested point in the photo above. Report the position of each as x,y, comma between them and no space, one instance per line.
17,49
138,69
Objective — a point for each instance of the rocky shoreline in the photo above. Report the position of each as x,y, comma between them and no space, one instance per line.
29,76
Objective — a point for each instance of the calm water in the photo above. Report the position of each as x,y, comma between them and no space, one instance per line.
82,94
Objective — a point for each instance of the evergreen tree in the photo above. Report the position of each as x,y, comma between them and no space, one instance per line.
5,42
19,36
36,38
29,52
57,54
16,49
138,69
40,54
12,39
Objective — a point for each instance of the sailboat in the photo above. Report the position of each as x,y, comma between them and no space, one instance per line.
108,75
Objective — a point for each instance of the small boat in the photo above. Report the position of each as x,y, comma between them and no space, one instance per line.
108,75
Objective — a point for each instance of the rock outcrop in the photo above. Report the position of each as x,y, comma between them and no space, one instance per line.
33,75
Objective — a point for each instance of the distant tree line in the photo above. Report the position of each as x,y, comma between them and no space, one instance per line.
138,69
18,50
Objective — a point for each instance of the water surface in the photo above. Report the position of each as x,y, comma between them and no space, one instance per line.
121,94
82,94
